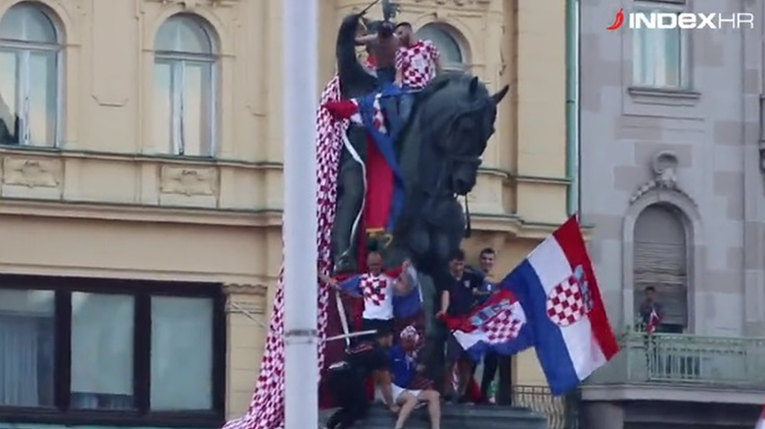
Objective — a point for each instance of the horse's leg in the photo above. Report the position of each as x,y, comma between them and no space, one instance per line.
350,196
450,231
418,240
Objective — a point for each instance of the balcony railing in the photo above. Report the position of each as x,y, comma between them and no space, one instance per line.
686,359
562,412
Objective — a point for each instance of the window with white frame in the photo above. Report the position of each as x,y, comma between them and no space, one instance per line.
185,86
452,55
30,76
660,56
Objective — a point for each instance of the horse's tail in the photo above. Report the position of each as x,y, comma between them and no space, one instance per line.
348,67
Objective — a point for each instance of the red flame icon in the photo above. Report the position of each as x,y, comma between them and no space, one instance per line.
618,20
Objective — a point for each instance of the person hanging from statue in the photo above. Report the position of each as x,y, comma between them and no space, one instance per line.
348,378
382,46
385,294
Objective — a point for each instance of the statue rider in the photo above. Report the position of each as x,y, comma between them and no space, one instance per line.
383,45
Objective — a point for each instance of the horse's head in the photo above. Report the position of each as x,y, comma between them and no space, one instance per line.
456,115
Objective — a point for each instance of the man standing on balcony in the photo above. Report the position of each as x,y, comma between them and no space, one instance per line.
651,311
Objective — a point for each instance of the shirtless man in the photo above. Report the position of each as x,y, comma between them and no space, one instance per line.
382,46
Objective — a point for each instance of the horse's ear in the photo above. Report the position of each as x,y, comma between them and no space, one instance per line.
498,96
473,84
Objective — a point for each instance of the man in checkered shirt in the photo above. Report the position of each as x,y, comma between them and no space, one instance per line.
417,63
377,288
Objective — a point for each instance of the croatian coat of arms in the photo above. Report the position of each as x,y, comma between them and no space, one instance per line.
570,300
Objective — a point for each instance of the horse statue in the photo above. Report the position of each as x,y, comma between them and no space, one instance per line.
439,151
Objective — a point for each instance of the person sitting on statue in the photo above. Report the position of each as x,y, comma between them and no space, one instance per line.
382,47
404,368
348,378
417,63
378,290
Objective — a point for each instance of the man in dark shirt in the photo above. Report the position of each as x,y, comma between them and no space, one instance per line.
651,311
491,361
347,380
458,291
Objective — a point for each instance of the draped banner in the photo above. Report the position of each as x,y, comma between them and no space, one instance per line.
266,409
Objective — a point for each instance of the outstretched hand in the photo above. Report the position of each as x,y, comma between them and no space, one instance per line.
329,281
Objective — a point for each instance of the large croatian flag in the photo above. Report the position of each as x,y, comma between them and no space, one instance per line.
498,325
557,288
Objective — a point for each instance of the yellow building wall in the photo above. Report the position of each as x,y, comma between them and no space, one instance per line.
109,203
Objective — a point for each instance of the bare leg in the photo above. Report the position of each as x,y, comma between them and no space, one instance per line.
407,402
434,407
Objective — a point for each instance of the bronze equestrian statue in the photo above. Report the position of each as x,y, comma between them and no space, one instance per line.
439,153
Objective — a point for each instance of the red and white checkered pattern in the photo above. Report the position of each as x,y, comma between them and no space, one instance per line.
565,303
417,63
503,327
267,405
374,289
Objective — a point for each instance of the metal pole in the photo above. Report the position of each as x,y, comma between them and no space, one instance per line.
300,73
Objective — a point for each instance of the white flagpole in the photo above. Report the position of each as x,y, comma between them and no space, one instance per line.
300,23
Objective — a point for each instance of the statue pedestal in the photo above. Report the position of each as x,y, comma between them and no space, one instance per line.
458,417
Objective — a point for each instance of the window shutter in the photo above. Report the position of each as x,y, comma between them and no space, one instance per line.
661,261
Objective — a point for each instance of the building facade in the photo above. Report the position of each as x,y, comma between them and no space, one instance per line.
141,191
673,181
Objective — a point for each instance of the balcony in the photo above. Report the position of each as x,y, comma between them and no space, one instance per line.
682,367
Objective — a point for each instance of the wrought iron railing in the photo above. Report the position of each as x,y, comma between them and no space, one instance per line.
686,359
561,411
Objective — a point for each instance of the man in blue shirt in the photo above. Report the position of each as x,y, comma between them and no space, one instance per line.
404,369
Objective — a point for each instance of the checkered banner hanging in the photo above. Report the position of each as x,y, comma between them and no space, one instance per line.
267,405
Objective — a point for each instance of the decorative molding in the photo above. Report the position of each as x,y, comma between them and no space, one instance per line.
194,4
188,181
455,2
32,172
664,167
245,289
140,213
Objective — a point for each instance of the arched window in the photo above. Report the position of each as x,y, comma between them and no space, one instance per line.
452,56
661,261
185,86
30,76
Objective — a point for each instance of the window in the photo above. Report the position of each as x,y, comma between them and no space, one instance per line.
661,261
185,87
86,351
451,52
660,56
30,67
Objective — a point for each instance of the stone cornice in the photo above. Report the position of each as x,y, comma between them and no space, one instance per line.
245,289
139,213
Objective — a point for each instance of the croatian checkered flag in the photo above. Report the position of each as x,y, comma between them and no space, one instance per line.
653,321
267,405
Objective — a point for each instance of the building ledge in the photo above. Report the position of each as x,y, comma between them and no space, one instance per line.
139,213
671,392
516,225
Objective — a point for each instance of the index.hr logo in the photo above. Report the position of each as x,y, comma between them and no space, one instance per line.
685,20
